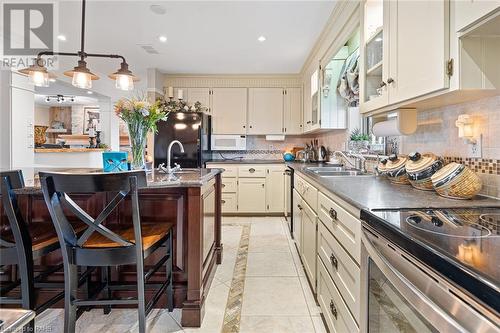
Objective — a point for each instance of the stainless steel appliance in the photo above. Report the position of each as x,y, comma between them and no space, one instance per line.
193,129
430,271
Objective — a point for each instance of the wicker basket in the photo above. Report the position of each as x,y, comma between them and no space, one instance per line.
456,181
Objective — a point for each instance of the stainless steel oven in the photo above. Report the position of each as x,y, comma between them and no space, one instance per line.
401,294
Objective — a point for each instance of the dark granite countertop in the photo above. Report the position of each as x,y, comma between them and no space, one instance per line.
372,192
155,179
245,161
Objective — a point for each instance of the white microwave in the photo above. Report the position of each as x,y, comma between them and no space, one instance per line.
229,142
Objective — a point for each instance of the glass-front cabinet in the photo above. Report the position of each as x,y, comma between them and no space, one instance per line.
374,48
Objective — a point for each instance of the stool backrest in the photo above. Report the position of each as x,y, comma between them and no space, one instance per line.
10,181
57,186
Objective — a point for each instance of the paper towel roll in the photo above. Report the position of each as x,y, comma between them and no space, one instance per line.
387,128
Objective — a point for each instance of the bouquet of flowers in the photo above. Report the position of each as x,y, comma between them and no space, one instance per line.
141,117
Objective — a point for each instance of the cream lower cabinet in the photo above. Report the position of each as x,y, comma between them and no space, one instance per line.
252,188
309,223
275,188
327,235
252,195
298,206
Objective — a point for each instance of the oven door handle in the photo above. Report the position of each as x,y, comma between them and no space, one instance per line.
422,304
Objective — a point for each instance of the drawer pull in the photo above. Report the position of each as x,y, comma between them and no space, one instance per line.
333,309
333,213
334,261
263,185
223,201
251,170
223,185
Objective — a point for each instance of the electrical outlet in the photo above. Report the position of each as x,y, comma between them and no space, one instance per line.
476,150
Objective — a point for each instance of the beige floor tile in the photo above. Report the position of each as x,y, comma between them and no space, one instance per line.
314,309
224,272
270,243
231,236
271,264
267,228
273,296
215,307
281,324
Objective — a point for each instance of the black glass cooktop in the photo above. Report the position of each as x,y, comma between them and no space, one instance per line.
467,239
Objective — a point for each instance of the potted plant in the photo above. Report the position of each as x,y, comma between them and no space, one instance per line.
141,117
358,141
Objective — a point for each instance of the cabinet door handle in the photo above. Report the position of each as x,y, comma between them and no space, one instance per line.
334,261
382,84
223,201
251,170
333,309
263,185
299,207
390,80
333,213
244,126
223,185
308,122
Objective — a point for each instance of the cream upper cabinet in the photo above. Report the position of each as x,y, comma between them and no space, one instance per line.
252,195
275,188
404,51
417,59
292,114
374,56
468,12
265,111
201,95
229,110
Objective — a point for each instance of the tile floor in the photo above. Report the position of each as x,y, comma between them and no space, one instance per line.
268,294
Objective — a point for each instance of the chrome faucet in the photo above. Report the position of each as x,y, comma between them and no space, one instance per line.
360,163
176,167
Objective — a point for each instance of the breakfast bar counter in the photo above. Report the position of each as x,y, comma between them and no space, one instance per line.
191,199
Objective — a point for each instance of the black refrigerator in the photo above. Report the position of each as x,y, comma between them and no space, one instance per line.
193,130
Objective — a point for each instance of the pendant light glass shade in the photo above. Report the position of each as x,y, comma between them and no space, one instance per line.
124,82
82,80
81,76
124,79
38,75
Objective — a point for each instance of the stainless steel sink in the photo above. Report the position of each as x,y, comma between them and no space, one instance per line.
336,172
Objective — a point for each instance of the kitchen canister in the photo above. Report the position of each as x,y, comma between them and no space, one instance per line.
395,169
420,168
456,181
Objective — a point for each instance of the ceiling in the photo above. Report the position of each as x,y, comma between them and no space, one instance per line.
203,37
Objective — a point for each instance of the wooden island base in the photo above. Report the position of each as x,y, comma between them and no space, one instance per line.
196,212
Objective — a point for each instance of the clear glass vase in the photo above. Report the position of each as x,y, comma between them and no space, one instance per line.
137,134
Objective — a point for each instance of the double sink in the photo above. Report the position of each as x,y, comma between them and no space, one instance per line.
336,171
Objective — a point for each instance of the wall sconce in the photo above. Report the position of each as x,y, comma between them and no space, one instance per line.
465,125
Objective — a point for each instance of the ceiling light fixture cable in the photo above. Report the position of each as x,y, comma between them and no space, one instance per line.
81,76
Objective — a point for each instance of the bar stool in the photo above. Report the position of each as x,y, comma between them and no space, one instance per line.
110,245
20,245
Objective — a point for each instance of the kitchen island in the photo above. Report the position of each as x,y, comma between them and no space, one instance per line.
191,199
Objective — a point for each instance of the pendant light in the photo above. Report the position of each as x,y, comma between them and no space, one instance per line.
81,76
124,79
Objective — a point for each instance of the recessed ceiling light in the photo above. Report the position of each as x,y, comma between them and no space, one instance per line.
62,38
89,92
162,39
158,9
261,39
